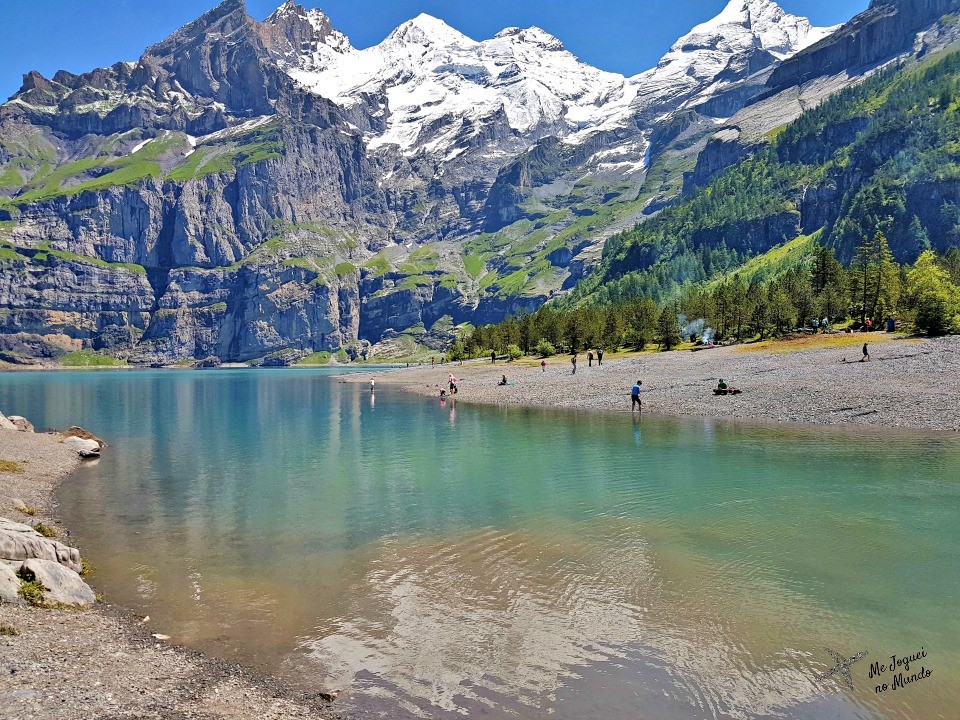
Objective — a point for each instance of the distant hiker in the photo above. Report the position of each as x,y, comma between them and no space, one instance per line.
866,354
443,360
543,366
599,356
503,381
433,361
635,397
816,326
590,358
493,356
573,361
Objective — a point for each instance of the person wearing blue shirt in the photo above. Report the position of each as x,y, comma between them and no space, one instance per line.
635,397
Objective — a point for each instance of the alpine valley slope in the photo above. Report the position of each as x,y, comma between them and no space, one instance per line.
247,188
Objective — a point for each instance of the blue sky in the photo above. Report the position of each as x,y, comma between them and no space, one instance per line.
626,36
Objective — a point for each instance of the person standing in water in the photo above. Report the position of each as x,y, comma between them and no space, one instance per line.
635,401
373,385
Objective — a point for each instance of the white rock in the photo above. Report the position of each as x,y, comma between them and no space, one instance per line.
86,448
9,585
22,542
6,424
64,586
21,423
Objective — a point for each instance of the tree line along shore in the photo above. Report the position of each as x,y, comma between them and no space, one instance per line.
818,294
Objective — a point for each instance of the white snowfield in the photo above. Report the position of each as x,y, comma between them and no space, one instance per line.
436,82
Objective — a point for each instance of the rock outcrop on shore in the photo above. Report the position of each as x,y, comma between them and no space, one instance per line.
28,556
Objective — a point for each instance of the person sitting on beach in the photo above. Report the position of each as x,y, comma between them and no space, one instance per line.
724,388
503,380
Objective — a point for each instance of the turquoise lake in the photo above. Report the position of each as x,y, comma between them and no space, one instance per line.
441,560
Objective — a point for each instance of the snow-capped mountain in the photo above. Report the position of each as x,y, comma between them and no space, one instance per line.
432,79
747,36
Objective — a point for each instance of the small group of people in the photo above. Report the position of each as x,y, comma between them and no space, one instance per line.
573,360
820,325
451,388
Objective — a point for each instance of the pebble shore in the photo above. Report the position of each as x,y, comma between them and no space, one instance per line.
908,383
103,662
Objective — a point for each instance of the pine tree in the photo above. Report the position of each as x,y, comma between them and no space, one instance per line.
668,328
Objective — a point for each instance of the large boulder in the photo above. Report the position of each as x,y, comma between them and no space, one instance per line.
9,585
21,542
79,432
6,424
86,448
21,423
63,585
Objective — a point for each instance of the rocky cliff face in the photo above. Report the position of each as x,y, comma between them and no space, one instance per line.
249,187
888,32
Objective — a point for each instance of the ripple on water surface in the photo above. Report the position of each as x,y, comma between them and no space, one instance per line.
441,559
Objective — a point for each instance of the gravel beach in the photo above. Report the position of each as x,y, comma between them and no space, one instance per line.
104,663
908,383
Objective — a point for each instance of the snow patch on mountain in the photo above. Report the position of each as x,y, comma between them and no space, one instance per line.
440,89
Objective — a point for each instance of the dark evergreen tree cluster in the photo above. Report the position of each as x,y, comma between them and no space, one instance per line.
873,288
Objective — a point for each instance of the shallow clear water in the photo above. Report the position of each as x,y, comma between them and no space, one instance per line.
439,559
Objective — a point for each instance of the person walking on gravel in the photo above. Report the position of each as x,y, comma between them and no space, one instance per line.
599,356
866,354
543,366
635,402
573,361
590,358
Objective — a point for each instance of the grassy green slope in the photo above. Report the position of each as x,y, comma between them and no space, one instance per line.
884,155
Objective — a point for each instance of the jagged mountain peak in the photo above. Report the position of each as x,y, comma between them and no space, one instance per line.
428,31
228,15
746,24
532,35
298,37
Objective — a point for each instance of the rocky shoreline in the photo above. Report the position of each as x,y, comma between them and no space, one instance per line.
909,383
103,662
